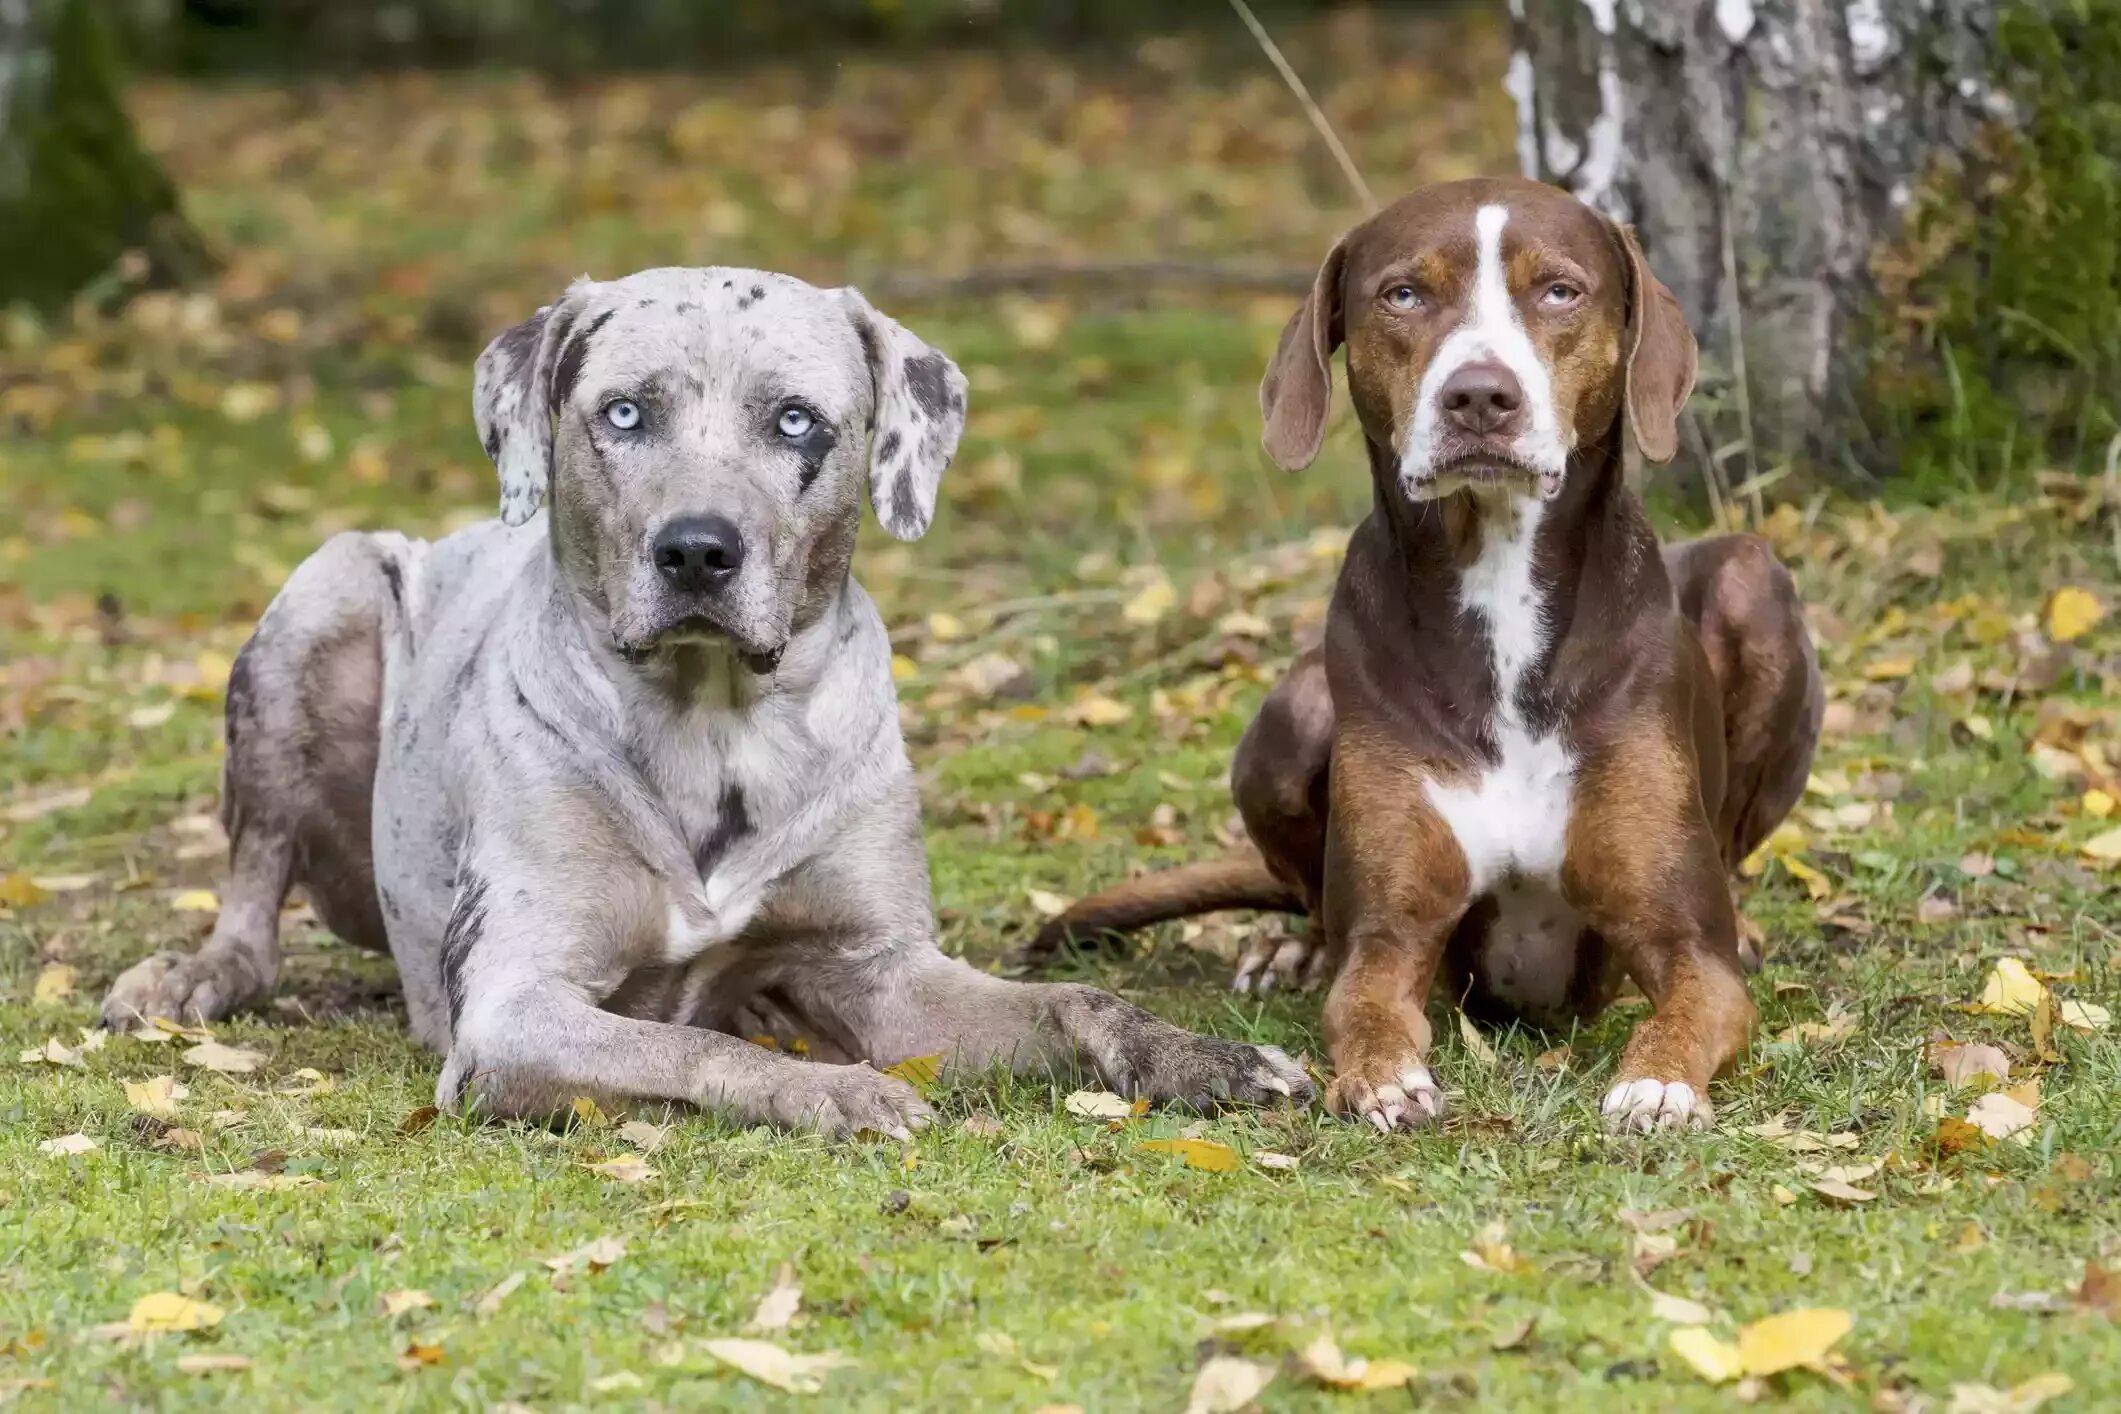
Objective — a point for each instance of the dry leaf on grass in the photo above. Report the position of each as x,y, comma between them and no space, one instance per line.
1279,1163
195,901
1962,1064
625,1168
262,1182
770,1365
1842,1191
67,1145
777,1308
592,1256
53,1052
918,1071
2019,1399
160,1312
2071,612
1476,1044
1677,1309
54,985
2002,1115
1323,1362
1491,1252
1198,1153
1226,1384
418,1354
1103,1104
490,1299
2011,990
1792,1340
212,1364
644,1136
228,1060
157,1095
2088,1017
393,1304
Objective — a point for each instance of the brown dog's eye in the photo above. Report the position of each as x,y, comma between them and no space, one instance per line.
1403,297
1561,293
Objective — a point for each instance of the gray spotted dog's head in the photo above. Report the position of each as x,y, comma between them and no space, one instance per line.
702,435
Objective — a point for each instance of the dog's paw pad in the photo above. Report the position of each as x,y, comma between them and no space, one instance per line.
1639,1106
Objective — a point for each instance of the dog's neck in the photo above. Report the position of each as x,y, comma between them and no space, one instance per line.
1495,583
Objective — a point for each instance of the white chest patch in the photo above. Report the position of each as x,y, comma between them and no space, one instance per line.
1512,819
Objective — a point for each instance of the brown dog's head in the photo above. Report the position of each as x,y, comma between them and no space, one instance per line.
1493,327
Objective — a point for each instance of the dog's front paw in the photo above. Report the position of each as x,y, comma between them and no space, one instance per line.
1639,1106
840,1101
189,987
1202,1072
1397,1097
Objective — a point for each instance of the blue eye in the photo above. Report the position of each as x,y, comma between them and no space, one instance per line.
1403,297
795,422
623,415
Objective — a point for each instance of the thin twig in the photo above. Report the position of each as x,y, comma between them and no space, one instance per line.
1037,278
1303,96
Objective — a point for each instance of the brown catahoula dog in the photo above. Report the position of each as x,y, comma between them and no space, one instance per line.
1532,744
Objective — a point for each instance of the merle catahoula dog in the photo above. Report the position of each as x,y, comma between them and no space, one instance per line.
621,784
1533,742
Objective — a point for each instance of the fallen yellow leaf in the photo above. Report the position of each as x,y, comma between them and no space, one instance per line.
54,985
1476,1044
163,1311
1714,1360
1198,1153
2106,848
2071,612
626,1168
196,901
1103,1104
1791,1339
2084,1016
1151,604
394,1304
157,1095
229,1060
918,1071
1322,1361
2011,990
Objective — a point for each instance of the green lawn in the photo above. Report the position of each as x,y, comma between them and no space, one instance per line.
180,458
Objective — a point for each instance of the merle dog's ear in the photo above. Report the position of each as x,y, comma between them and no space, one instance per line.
918,415
1297,391
1662,359
512,403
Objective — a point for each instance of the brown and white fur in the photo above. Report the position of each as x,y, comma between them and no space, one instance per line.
1532,744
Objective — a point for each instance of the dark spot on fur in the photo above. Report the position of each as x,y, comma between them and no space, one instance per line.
888,448
455,1097
390,903
395,578
696,385
728,284
645,304
905,504
928,379
517,345
239,694
732,822
686,306
569,367
467,922
493,444
758,292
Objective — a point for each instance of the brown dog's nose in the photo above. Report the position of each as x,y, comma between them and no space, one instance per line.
1484,398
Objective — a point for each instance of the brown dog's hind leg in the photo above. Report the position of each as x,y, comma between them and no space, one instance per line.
1743,604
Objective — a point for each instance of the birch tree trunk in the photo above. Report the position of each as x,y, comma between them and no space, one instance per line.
1763,149
76,190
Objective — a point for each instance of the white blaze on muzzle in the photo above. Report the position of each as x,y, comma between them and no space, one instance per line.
1491,330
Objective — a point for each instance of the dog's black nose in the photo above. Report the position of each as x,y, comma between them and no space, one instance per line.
1484,398
699,553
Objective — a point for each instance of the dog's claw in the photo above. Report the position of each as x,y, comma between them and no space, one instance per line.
1640,1106
1409,1100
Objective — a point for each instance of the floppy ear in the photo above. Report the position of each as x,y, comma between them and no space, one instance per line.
1661,357
1297,391
511,402
918,415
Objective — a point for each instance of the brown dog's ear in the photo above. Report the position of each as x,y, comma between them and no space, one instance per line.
1297,392
1661,357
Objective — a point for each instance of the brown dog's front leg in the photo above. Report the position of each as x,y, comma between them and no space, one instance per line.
1644,867
1396,885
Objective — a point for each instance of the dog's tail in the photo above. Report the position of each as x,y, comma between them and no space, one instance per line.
1235,881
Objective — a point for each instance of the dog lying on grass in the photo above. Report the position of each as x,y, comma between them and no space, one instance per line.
620,783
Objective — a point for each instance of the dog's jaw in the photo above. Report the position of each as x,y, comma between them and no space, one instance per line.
1430,465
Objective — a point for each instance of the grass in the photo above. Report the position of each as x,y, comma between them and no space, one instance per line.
185,456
